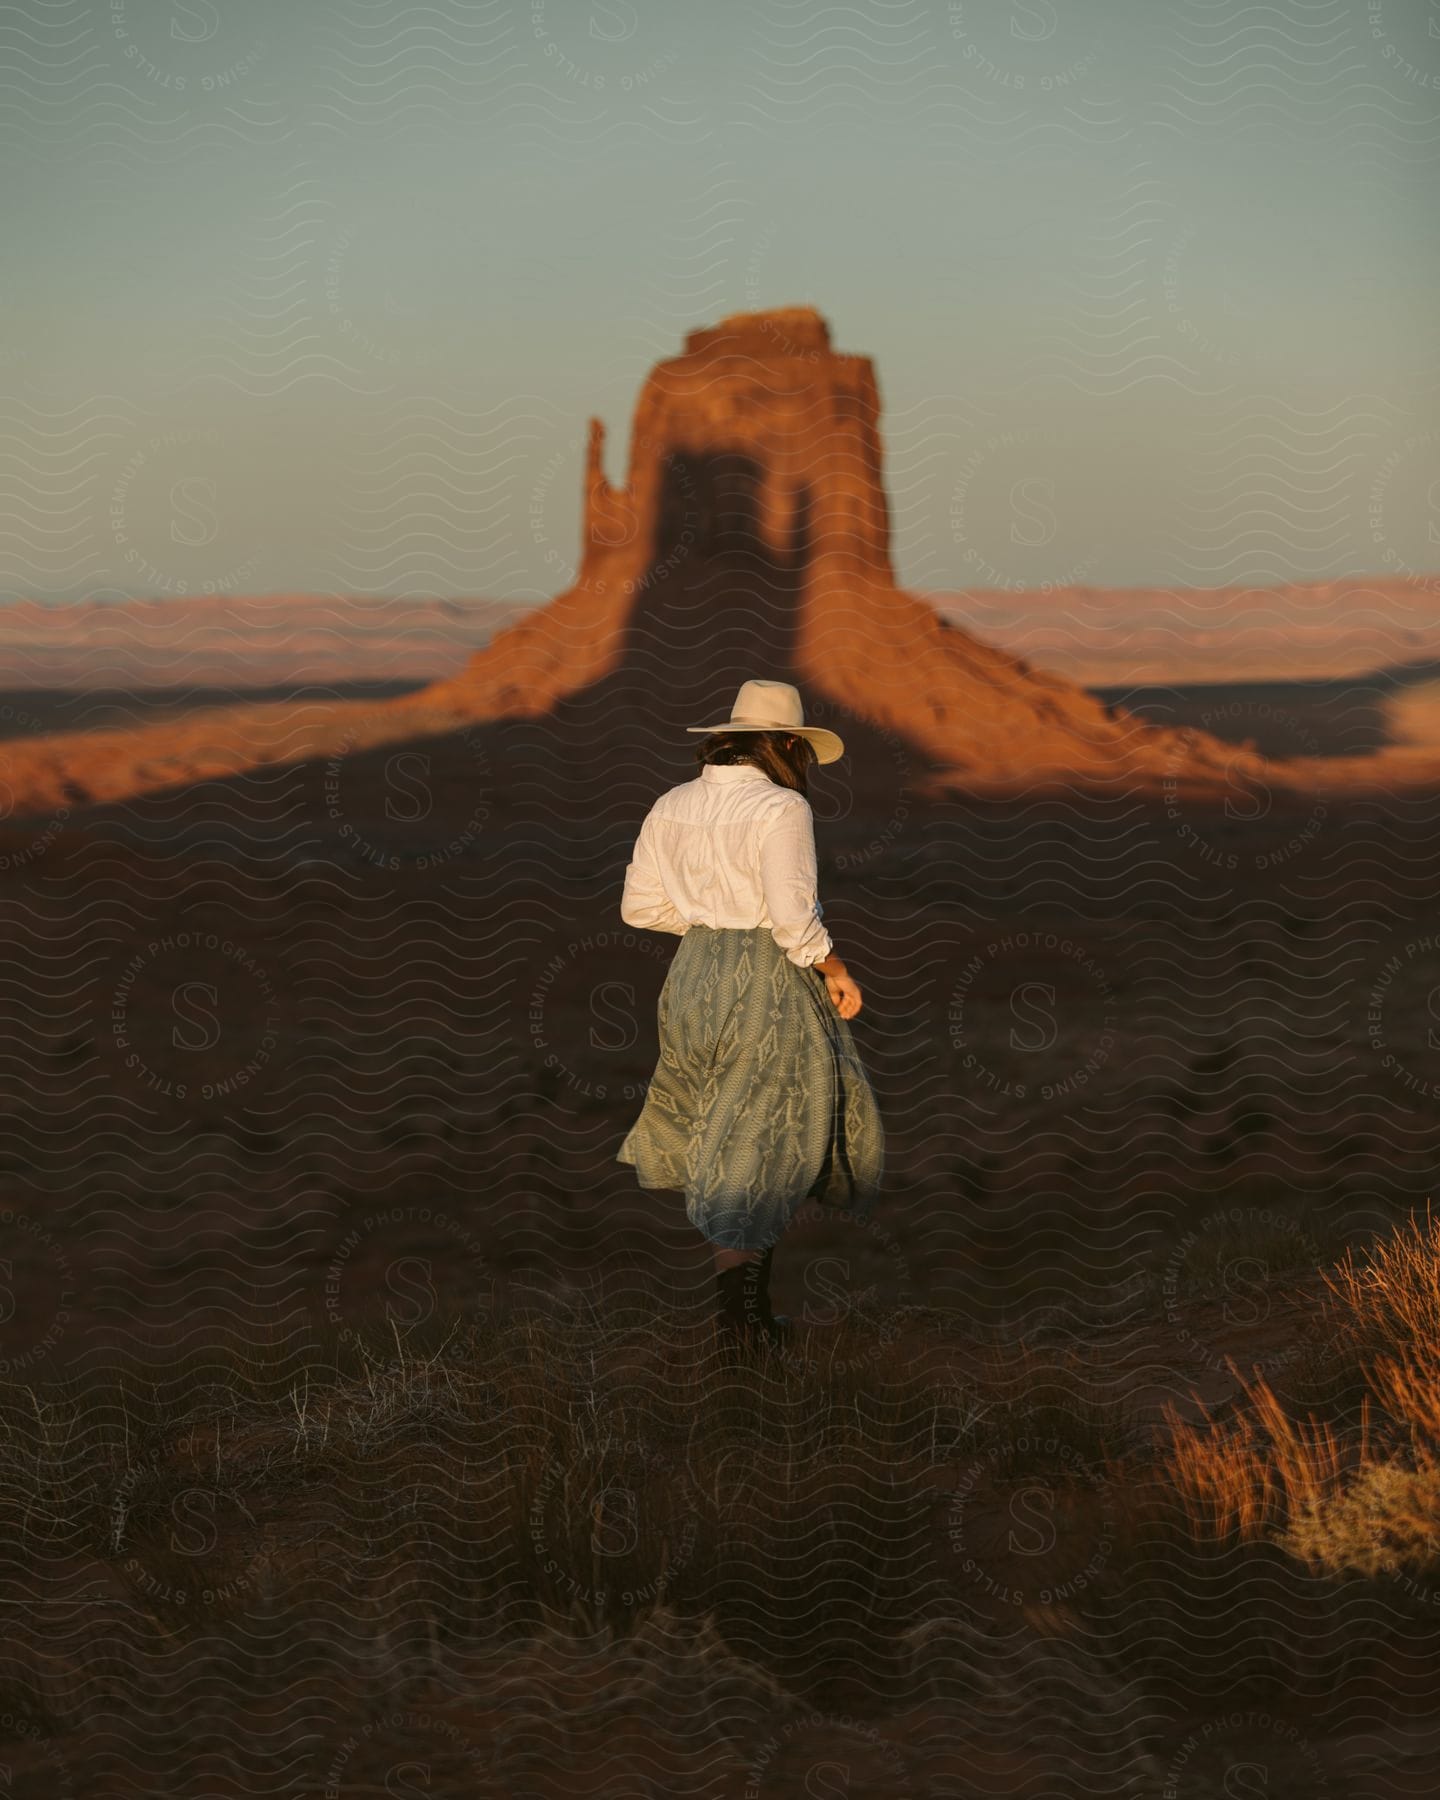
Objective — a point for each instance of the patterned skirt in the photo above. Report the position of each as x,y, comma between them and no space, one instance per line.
759,1100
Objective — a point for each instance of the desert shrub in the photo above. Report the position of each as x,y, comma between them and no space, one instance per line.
1359,1494
1386,1522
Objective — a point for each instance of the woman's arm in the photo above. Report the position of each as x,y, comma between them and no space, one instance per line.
788,878
644,903
788,874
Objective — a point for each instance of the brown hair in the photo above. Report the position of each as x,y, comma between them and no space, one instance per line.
786,765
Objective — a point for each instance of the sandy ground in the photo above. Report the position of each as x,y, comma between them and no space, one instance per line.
245,1018
347,1042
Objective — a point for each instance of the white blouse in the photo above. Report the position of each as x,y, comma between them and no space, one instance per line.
729,849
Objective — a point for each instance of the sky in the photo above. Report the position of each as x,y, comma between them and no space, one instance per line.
320,298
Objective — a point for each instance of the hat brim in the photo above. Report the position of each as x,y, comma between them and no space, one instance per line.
828,747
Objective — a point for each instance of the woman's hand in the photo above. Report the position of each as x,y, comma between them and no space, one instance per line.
844,993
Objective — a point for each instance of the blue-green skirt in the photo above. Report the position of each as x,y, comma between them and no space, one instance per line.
759,1100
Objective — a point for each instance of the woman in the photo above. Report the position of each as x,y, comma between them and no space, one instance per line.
759,1100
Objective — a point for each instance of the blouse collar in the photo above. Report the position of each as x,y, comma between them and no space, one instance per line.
732,772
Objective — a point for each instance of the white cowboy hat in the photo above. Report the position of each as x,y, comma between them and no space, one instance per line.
775,706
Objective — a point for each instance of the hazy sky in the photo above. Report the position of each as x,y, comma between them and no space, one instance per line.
305,296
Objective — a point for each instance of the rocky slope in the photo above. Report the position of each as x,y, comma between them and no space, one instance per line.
1100,637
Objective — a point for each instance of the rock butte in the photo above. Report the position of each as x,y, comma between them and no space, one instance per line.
751,537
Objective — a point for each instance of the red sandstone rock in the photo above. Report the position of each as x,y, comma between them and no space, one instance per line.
756,481
751,536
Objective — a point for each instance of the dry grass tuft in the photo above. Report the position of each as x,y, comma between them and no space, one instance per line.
1243,1479
1361,1494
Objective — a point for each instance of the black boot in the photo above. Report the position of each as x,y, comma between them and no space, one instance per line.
731,1325
778,1326
743,1305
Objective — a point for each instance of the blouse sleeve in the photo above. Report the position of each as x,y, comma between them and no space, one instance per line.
644,903
788,877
